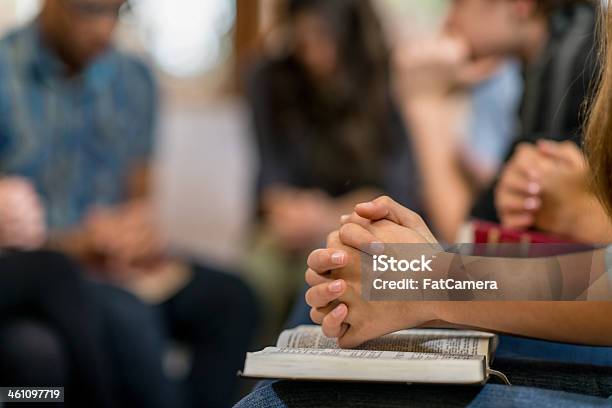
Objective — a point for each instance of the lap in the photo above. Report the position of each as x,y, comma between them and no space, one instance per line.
212,302
535,383
517,347
288,394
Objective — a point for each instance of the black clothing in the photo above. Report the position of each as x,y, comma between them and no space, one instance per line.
315,138
556,88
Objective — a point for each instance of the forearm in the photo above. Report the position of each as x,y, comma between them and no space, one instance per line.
592,224
571,322
432,130
564,321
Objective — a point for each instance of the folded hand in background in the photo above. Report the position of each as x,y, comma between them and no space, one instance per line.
299,218
125,239
22,216
435,66
545,186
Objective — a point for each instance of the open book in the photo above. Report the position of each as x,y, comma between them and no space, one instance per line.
407,356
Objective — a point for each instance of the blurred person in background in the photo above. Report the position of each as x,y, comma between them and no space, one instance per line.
329,135
553,41
77,120
48,326
539,186
545,185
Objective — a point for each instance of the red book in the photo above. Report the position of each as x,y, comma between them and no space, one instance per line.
515,243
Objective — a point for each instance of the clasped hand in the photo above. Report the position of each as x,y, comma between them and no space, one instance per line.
333,275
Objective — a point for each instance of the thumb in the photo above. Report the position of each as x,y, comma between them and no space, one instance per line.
566,152
350,338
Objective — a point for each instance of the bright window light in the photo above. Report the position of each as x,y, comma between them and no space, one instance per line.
25,10
186,37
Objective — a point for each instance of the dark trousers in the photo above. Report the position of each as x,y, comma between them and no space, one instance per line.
216,318
106,345
49,329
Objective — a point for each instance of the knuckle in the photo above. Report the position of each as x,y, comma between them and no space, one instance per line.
345,231
323,257
332,237
308,296
497,192
330,326
523,147
313,259
385,200
503,178
307,276
325,329
314,315
414,219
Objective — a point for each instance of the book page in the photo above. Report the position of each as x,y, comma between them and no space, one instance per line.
362,354
453,342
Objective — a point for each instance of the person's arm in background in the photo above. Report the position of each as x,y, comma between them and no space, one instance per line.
439,166
569,207
128,233
337,303
125,234
22,216
425,78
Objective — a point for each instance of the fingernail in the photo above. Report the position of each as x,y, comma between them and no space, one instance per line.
532,203
335,286
533,188
339,310
344,218
377,247
337,258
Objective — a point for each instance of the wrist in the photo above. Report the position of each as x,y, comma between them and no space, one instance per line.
432,311
590,222
571,220
443,267
423,108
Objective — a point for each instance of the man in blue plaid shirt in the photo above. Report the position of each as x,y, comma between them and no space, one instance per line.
77,120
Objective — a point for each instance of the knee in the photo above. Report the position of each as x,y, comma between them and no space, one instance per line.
124,312
241,302
44,268
232,297
47,261
32,353
262,396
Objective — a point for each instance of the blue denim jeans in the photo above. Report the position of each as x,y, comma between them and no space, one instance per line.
516,347
285,394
